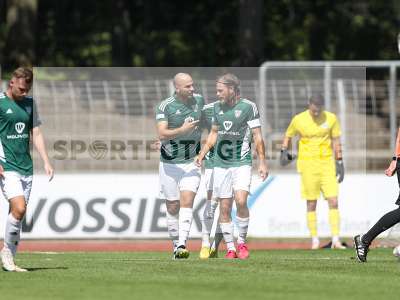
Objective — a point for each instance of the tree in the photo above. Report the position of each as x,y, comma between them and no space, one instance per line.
20,30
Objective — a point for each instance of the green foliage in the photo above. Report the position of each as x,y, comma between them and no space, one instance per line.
202,33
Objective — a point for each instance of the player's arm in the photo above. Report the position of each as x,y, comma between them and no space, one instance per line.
38,142
396,158
260,149
165,133
285,157
210,142
337,149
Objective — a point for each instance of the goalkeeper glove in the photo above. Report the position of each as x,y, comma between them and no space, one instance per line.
339,170
286,158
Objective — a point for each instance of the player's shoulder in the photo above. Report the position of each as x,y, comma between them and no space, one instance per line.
165,103
28,100
198,96
301,115
246,104
210,106
330,115
199,99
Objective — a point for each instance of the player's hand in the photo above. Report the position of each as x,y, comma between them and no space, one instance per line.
263,169
339,170
156,145
198,160
49,171
391,169
286,158
188,125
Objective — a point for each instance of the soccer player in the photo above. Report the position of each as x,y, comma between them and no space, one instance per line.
235,122
362,242
206,250
178,129
18,123
319,132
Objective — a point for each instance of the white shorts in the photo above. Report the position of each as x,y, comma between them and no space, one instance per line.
178,177
14,184
228,180
208,179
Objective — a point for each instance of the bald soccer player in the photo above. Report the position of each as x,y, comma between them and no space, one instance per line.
179,132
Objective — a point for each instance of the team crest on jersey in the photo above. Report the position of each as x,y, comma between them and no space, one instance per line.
19,127
221,112
227,125
178,112
238,113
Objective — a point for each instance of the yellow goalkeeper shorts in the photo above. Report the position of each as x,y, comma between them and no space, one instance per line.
313,182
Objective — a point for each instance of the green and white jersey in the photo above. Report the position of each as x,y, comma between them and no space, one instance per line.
17,118
183,148
207,116
233,147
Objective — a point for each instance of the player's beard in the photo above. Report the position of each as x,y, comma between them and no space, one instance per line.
231,99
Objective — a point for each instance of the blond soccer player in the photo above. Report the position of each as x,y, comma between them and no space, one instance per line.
319,149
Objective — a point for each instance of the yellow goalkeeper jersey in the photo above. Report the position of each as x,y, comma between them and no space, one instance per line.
315,144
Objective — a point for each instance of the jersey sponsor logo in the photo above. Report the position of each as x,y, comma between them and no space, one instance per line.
232,133
19,127
238,113
17,136
9,111
227,125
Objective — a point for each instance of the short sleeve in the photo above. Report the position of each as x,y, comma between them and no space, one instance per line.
253,119
214,119
161,113
291,131
336,132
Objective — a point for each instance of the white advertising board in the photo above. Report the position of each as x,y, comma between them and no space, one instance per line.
127,206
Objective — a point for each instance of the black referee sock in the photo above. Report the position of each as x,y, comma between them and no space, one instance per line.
387,221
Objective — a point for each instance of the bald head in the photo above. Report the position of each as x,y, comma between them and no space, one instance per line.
183,85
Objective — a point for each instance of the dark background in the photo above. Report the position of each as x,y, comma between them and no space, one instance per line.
68,33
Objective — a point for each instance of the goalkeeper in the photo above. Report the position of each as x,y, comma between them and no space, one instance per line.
319,132
362,242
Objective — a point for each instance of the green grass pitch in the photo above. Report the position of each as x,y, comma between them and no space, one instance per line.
277,274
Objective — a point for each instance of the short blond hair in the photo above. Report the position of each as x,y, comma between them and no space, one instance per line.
23,72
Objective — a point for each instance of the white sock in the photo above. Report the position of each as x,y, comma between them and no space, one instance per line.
335,239
12,234
227,231
243,226
173,225
206,224
185,222
315,240
207,221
